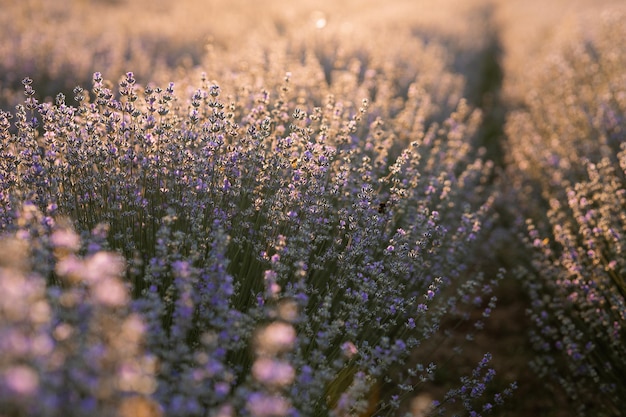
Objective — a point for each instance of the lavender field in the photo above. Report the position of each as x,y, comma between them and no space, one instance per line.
312,208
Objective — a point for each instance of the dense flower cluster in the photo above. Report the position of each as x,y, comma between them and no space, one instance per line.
568,155
287,241
233,212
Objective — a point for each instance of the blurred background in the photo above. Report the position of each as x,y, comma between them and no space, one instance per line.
60,44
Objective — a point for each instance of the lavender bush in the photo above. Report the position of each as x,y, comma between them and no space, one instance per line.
567,152
250,221
285,251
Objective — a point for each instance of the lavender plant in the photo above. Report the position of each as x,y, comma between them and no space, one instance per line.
73,349
261,246
568,151
284,257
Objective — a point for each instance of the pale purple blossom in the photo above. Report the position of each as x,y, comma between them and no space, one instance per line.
275,338
273,372
268,405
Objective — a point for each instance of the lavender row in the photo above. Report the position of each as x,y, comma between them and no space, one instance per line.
276,249
567,157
